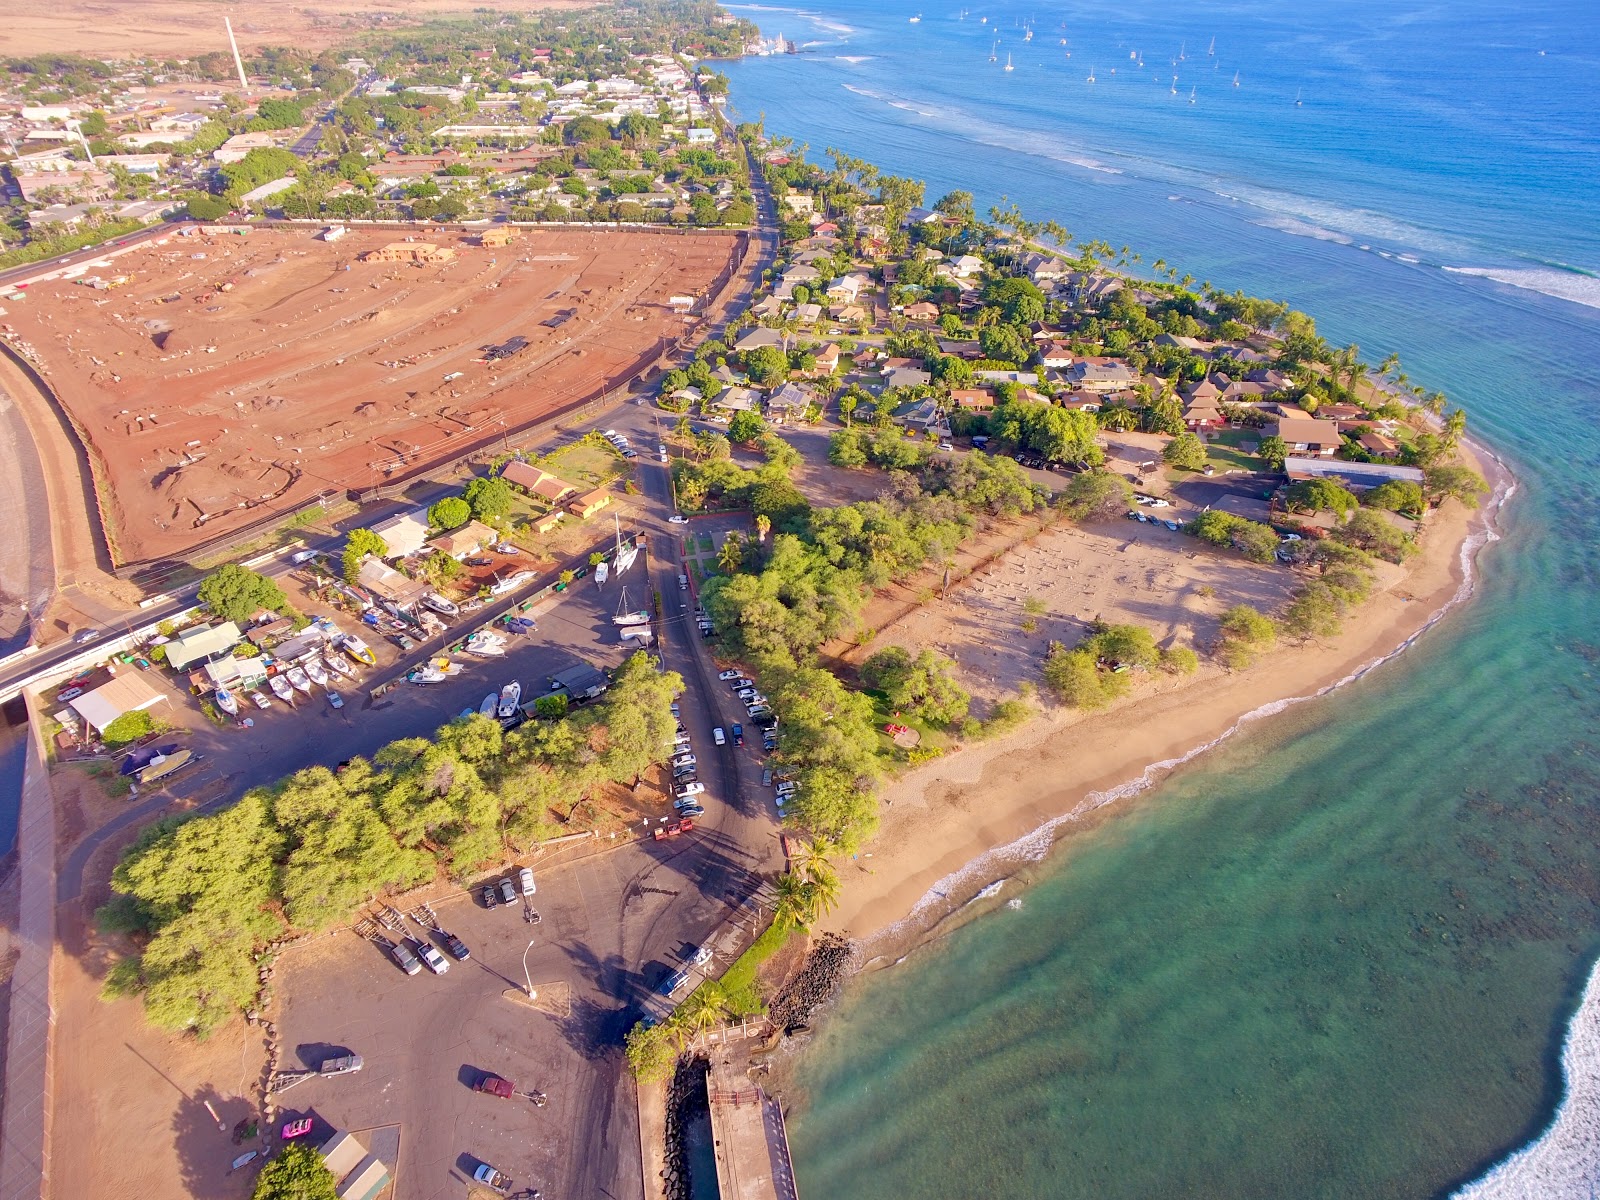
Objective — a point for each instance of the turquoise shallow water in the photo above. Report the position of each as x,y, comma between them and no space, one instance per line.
1339,956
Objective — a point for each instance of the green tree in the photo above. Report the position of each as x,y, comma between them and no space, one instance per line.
1076,678
924,685
450,513
1455,482
1368,531
1274,451
651,1051
1319,495
1245,633
129,727
1096,495
551,707
1186,451
298,1173
237,593
731,554
746,427
359,544
488,497
1396,495
205,208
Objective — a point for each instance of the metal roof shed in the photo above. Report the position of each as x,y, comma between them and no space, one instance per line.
124,694
201,645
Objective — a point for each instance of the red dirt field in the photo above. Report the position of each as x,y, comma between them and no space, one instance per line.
234,371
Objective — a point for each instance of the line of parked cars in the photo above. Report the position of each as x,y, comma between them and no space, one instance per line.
505,891
621,443
686,786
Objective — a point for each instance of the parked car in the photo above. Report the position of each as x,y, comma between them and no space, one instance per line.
488,895
689,809
435,961
719,737
691,789
301,557
506,548
507,892
677,519
738,734
683,583
728,675
741,681
525,879
458,948
404,959
336,700
946,446
489,1177
479,562
673,982
405,643
84,636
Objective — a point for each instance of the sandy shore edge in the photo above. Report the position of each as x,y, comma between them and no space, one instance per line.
956,825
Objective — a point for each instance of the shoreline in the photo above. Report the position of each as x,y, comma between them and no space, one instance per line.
957,826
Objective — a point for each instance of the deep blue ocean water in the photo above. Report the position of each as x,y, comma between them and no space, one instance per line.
1342,955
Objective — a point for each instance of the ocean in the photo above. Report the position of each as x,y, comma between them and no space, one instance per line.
1346,953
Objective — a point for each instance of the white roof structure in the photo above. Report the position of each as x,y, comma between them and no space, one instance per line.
404,533
124,694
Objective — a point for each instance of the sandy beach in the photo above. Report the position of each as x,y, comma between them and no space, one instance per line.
957,824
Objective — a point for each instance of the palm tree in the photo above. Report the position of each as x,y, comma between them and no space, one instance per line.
731,555
763,526
794,902
823,889
705,1009
813,856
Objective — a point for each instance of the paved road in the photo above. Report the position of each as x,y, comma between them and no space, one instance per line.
27,559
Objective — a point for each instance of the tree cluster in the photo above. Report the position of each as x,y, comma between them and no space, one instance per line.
204,896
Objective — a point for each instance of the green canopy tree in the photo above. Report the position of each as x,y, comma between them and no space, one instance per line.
450,513
298,1173
488,497
359,544
1186,451
236,593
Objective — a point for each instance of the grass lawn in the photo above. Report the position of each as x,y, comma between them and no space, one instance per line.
1229,458
707,545
585,466
738,982
883,714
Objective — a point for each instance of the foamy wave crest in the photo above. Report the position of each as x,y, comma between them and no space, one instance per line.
1564,1162
804,14
1577,286
1354,223
1299,228
854,59
1036,845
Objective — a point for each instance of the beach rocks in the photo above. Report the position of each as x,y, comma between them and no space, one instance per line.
687,1101
830,960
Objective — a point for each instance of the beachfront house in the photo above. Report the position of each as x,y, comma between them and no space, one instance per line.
1306,435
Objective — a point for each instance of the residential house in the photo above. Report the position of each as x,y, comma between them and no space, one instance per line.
537,483
790,403
1057,355
1100,374
384,582
961,348
468,540
973,399
1201,414
1089,402
808,313
849,314
736,399
1045,269
848,288
799,202
919,414
966,266
235,148
404,533
1027,378
1192,345
201,644
1309,436
1377,444
585,506
905,372
922,310
768,306
758,337
827,359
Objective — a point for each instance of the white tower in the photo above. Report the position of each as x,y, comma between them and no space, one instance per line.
244,84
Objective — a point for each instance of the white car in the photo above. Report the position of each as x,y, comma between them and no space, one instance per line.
436,961
729,675
301,557
719,737
525,881
677,519
690,789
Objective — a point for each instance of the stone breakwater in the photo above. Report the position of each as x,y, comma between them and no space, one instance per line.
687,1102
831,960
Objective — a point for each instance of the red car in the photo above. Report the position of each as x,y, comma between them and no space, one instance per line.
493,1085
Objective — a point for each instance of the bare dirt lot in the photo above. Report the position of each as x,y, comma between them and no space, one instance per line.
230,372
122,28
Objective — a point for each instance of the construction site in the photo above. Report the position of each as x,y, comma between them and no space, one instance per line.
229,373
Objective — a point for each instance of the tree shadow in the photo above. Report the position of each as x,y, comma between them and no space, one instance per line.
205,1152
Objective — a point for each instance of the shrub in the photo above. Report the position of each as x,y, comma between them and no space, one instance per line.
1185,451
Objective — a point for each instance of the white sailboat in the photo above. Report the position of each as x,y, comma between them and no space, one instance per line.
226,702
1211,50
1297,92
639,616
1191,94
281,689
992,56
316,672
1236,79
1091,75
624,556
298,678
1008,65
